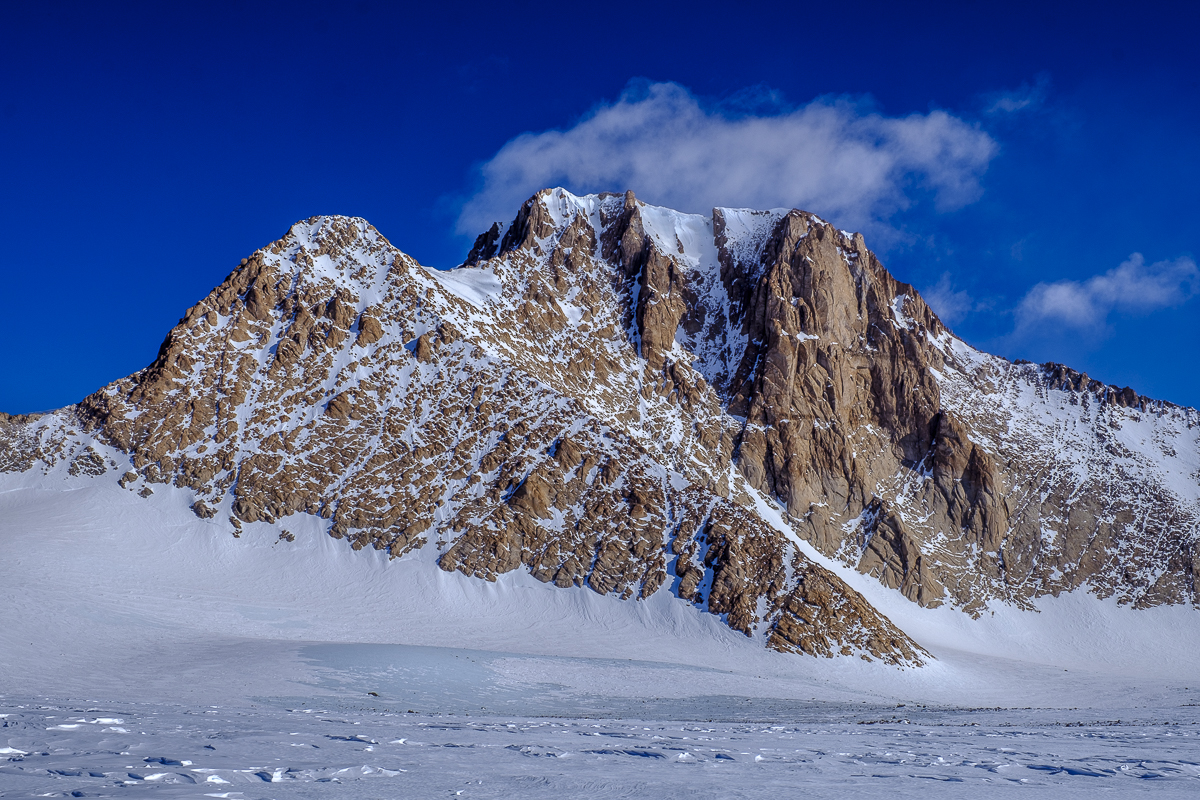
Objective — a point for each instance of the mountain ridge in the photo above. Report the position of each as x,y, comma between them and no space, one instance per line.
607,394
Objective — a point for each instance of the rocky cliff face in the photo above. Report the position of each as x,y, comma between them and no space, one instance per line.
622,397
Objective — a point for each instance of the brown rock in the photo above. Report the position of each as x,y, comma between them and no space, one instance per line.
203,510
369,330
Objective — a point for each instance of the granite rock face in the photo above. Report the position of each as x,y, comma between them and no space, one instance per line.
951,475
621,397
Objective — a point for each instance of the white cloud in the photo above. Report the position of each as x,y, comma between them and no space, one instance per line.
831,157
951,305
1132,287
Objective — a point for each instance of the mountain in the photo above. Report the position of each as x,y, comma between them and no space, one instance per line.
618,396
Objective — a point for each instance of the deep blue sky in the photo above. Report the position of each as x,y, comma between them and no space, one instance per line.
147,148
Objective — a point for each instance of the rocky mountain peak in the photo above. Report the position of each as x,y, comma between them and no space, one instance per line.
608,394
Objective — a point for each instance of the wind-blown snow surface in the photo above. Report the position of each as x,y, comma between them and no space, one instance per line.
142,647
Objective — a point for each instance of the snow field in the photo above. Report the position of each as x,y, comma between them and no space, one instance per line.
375,747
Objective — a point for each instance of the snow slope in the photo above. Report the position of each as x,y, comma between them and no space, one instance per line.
98,584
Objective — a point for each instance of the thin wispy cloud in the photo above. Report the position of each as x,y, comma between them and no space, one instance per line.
1024,98
835,157
950,304
1134,287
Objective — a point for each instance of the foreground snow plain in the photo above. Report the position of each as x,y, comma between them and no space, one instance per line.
146,652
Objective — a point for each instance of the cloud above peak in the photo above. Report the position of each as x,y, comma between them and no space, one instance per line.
834,157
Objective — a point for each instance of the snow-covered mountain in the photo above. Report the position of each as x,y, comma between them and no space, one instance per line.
728,409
